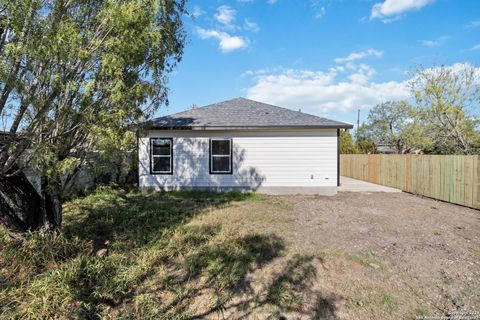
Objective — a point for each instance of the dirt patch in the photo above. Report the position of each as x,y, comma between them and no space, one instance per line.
192,255
375,255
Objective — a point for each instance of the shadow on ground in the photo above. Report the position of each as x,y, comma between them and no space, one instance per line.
145,255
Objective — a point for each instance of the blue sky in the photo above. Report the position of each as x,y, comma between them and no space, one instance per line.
327,58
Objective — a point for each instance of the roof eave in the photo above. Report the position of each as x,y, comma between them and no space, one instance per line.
339,126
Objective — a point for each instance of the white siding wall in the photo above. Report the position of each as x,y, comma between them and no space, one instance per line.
281,158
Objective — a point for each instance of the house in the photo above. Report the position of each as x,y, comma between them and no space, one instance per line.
241,145
386,149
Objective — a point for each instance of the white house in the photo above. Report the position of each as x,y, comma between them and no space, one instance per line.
241,145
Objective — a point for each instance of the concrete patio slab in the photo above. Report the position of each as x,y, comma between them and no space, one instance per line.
353,185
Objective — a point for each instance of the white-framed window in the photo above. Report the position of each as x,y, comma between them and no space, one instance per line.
161,155
220,156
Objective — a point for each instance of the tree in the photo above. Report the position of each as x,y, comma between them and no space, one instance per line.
346,143
115,154
447,98
68,70
476,143
364,143
395,124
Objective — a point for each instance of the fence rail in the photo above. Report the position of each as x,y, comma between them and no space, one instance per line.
452,178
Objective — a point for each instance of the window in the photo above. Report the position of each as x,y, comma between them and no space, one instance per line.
161,155
221,156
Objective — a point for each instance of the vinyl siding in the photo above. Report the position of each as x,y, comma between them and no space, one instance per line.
280,158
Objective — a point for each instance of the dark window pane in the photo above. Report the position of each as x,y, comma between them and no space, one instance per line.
221,147
161,147
161,164
220,164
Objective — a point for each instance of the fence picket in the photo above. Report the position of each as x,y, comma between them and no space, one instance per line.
452,178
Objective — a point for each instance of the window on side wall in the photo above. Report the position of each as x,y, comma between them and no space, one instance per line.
161,155
221,156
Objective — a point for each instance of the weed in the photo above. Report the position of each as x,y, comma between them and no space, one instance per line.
288,288
422,312
367,259
389,302
158,260
447,280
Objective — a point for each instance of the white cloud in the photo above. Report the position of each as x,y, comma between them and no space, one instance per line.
318,7
336,89
360,55
251,26
392,9
197,12
320,13
271,1
318,92
476,47
226,16
457,68
436,42
227,42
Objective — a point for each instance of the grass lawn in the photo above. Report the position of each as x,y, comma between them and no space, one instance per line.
189,255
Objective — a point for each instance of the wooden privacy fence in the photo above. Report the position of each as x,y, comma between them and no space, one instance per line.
449,178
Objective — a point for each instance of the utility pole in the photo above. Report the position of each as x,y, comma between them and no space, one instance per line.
358,120
358,126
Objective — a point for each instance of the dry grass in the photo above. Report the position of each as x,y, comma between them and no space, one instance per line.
134,255
189,255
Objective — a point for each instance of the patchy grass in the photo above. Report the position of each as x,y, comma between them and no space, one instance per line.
287,289
199,255
388,301
142,255
368,259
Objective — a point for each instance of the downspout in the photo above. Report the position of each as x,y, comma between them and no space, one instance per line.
338,157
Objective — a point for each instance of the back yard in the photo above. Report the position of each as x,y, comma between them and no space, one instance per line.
131,255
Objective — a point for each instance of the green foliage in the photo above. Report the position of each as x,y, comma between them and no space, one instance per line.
347,145
476,143
288,289
395,124
364,142
447,99
389,302
443,120
115,157
40,253
76,73
159,258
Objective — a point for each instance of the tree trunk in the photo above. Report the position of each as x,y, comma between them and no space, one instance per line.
22,209
52,206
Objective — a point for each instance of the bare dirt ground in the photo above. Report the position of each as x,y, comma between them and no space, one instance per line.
370,255
192,255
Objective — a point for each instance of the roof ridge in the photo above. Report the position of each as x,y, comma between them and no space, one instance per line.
285,108
206,106
243,98
241,112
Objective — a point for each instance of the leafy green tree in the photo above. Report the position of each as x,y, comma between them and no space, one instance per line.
347,145
448,99
396,124
363,140
476,143
116,153
68,70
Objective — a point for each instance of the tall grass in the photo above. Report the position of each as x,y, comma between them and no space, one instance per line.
136,255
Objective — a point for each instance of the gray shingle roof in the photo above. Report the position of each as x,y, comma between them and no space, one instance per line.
241,113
